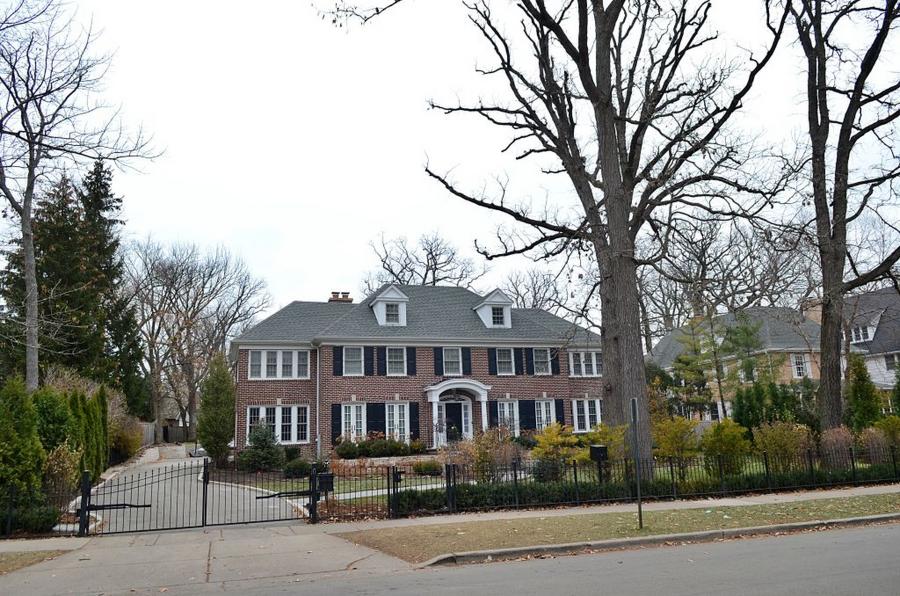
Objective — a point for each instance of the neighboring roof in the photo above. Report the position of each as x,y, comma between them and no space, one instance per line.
879,308
434,313
297,322
780,329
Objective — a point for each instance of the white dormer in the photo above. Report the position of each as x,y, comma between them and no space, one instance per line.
495,310
390,307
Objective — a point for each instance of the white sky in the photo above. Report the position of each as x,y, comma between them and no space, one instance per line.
295,144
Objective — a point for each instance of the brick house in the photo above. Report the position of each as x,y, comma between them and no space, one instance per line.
427,363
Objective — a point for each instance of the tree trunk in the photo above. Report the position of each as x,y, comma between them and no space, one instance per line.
156,404
830,396
32,377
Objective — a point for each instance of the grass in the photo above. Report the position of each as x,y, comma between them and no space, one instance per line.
17,560
420,543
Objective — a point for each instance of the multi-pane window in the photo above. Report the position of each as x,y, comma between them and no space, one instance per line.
396,362
800,369
859,334
505,361
892,361
508,415
353,361
541,358
353,421
279,364
290,422
586,413
498,317
544,414
397,421
392,313
585,364
452,361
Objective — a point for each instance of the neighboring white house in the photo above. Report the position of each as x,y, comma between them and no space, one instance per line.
873,326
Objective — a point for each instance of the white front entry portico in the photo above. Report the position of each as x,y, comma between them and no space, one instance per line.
455,391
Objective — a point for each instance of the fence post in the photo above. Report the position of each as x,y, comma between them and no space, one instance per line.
85,503
809,463
575,476
448,487
205,487
515,470
628,479
894,459
768,473
313,507
672,477
853,463
721,474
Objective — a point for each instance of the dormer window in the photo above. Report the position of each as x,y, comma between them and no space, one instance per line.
498,318
495,310
392,313
859,334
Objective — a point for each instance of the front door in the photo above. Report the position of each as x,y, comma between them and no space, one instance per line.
454,421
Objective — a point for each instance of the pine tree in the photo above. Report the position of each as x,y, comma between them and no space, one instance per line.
215,424
863,401
689,367
21,454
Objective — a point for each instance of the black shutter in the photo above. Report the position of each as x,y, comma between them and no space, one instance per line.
492,363
337,361
369,361
381,360
375,418
519,355
413,421
467,361
411,362
493,414
335,423
526,415
554,361
560,411
529,361
439,362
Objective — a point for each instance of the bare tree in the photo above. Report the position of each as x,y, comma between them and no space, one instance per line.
620,98
534,288
853,103
48,77
431,261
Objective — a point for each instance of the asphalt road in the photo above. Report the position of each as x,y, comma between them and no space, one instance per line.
855,561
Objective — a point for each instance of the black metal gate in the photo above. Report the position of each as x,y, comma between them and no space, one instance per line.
191,495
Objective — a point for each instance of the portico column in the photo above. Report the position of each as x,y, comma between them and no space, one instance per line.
434,421
482,397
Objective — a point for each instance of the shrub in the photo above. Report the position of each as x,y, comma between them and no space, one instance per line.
417,447
890,426
526,440
291,452
346,450
53,417
783,442
263,452
428,467
863,400
493,451
297,468
874,445
727,442
21,454
125,437
675,437
603,434
37,519
215,422
61,473
835,444
555,447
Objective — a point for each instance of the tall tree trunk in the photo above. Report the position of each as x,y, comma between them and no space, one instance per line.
830,396
32,377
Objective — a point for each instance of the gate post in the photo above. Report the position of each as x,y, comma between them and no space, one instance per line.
313,506
205,487
85,503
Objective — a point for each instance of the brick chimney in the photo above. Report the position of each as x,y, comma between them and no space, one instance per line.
340,297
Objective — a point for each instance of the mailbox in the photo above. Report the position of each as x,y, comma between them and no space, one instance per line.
326,482
599,453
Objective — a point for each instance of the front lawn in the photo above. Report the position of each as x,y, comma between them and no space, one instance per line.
17,560
420,543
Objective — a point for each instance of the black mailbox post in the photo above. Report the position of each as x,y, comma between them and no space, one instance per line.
326,482
599,453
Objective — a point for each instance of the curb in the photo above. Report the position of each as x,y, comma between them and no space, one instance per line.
484,556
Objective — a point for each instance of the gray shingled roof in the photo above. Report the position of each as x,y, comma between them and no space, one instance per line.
781,329
881,305
434,313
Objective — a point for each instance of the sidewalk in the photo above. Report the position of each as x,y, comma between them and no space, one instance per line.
227,558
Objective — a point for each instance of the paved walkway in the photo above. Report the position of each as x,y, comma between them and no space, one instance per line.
238,557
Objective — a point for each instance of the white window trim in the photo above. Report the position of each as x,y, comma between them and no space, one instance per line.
512,357
794,364
399,320
503,311
596,359
537,406
549,362
365,431
575,407
444,359
404,406
279,412
869,331
362,361
387,361
279,354
515,412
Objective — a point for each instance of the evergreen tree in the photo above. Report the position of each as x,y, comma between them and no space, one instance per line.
742,342
895,394
21,454
54,417
689,367
215,425
863,401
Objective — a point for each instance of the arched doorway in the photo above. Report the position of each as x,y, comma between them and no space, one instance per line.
452,407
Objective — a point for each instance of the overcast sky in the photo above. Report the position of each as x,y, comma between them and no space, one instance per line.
295,143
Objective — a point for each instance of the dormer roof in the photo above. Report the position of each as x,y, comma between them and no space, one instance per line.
495,298
390,293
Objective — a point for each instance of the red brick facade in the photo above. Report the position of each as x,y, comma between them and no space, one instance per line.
343,389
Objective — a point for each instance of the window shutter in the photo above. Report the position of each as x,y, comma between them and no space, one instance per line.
493,414
519,355
439,362
413,421
466,361
337,361
411,362
526,415
529,361
375,418
335,423
382,361
369,361
554,361
492,363
560,411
